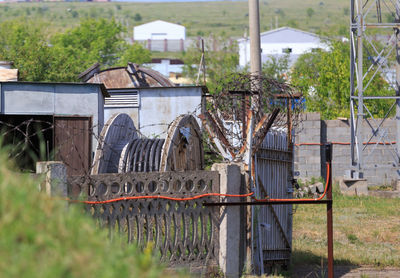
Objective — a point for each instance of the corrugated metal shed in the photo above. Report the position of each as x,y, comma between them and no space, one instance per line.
73,113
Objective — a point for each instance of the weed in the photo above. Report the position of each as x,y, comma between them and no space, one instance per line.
352,238
383,187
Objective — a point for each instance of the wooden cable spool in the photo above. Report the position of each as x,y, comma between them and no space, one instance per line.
121,149
116,133
183,148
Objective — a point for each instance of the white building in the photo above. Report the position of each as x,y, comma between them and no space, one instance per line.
159,30
279,42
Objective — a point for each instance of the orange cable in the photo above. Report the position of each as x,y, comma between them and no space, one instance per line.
344,143
207,195
160,197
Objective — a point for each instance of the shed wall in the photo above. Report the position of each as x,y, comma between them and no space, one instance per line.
62,99
159,107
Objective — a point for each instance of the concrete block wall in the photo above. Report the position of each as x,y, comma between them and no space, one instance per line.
378,158
308,157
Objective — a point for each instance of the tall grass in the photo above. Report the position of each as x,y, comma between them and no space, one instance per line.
42,237
366,232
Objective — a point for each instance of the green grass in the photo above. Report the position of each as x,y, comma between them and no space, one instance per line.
41,237
366,232
200,18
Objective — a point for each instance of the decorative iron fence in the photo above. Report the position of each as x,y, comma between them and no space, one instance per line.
182,232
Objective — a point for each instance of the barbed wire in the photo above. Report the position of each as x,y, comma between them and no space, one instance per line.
33,139
244,100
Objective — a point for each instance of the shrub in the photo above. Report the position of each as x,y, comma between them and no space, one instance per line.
41,237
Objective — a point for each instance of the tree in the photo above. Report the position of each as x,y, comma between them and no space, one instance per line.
219,63
324,77
310,12
26,45
63,56
137,17
135,53
276,67
94,40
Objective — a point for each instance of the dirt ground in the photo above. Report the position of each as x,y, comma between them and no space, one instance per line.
347,272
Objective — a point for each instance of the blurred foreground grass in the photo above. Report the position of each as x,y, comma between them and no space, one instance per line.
41,237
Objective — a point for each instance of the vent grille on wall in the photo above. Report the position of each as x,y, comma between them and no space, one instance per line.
122,98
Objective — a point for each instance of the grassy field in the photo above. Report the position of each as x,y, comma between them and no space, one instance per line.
366,232
201,18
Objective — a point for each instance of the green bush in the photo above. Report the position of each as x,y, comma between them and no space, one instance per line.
42,237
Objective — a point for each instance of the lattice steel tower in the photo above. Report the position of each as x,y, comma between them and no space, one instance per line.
374,31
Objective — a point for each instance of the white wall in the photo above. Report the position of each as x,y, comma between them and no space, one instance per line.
159,107
276,48
159,30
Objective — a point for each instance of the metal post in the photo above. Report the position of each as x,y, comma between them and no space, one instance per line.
360,89
255,68
255,49
397,78
352,72
254,26
329,212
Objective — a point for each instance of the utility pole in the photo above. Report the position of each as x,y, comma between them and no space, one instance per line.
255,69
254,29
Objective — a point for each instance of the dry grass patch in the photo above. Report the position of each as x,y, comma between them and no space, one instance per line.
366,232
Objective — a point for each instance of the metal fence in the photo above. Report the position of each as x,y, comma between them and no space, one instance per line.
182,232
165,45
274,162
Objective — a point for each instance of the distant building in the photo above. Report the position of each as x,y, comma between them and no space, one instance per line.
171,68
7,73
281,41
160,35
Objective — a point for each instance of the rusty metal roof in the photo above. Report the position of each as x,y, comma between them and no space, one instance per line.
132,76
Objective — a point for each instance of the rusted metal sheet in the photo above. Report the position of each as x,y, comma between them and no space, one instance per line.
215,129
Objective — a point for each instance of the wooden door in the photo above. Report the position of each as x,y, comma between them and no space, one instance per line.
72,142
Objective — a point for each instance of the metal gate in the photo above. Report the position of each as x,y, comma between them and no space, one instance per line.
272,225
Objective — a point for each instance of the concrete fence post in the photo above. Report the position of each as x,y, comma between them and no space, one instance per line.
230,225
55,183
